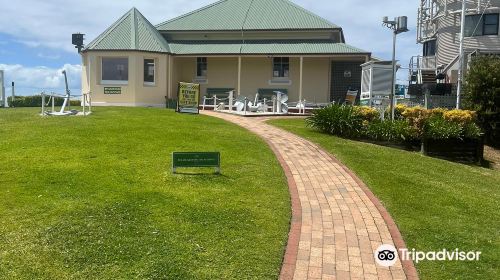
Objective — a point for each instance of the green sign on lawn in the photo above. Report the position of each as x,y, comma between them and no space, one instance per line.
112,90
203,159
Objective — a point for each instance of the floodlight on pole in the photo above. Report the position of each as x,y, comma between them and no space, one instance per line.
398,25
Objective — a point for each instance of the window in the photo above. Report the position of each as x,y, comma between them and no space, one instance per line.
201,67
490,25
281,67
430,48
149,71
477,25
114,70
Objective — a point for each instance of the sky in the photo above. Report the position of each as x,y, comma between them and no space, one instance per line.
35,36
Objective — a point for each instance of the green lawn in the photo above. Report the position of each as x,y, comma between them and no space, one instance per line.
436,204
94,198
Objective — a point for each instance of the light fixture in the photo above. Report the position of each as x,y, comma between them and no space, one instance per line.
398,25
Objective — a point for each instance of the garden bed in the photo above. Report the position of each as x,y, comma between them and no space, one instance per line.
451,134
457,149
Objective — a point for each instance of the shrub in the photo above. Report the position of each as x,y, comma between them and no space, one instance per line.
440,129
414,124
398,111
392,131
462,117
416,117
482,94
340,120
472,131
368,114
437,112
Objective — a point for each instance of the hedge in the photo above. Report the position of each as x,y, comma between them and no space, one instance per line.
36,101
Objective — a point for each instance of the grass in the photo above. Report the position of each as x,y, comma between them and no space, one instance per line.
94,198
435,203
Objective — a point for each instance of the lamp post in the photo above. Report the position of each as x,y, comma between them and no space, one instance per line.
398,25
461,54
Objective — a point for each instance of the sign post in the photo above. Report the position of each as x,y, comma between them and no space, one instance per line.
13,95
203,159
188,98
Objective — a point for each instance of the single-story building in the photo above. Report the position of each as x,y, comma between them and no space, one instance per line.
248,46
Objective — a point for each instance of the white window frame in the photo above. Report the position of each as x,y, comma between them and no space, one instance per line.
115,82
283,81
196,69
154,76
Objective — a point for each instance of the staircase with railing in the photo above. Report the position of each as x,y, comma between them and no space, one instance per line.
422,70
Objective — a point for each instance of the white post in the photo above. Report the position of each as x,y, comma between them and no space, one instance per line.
461,54
53,103
246,103
2,90
43,104
84,100
204,101
89,97
393,80
231,97
239,75
278,101
215,101
301,77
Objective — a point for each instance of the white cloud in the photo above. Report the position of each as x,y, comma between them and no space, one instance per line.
32,80
49,24
49,56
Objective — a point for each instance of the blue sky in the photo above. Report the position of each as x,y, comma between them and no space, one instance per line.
35,36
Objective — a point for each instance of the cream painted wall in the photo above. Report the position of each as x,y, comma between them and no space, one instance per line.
222,73
316,80
135,92
257,73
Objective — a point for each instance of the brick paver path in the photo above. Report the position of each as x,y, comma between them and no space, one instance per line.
337,224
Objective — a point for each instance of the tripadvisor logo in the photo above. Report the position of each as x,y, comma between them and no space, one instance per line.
387,255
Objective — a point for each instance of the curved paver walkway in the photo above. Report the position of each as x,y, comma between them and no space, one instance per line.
337,223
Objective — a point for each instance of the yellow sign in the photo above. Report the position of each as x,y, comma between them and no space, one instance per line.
189,98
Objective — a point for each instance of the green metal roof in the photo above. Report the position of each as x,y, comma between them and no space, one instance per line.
131,32
262,47
247,15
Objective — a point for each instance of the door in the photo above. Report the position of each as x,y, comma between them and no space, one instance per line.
345,75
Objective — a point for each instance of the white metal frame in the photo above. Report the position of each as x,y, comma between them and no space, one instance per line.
3,99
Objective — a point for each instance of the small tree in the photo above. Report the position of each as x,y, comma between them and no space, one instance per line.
482,94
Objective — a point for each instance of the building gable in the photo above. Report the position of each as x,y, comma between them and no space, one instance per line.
131,32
